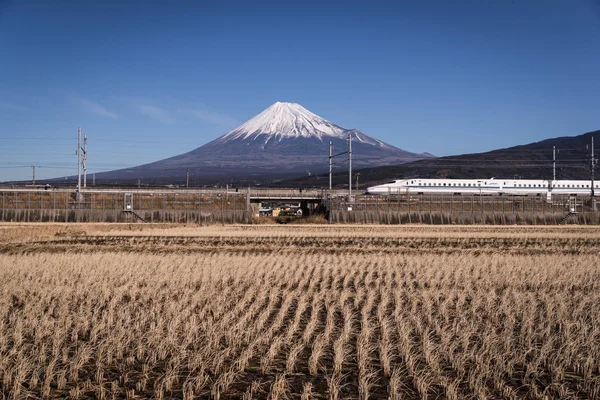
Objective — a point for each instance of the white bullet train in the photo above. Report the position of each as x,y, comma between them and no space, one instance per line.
516,187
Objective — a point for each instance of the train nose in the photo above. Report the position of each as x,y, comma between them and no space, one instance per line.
374,190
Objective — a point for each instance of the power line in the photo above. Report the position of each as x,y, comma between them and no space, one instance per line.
144,141
37,166
39,154
23,138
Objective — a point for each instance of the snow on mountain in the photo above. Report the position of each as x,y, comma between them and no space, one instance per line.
285,120
289,121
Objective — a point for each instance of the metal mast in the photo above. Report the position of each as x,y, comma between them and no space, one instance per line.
33,175
593,166
78,162
553,163
84,160
349,167
330,161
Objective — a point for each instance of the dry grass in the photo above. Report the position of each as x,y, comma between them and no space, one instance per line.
271,312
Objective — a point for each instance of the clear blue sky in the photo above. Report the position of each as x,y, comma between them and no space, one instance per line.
148,80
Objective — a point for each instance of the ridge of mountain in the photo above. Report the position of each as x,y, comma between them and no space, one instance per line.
527,161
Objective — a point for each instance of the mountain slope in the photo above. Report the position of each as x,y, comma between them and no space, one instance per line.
285,139
529,161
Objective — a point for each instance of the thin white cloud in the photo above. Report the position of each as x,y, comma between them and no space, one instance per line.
156,113
97,109
213,117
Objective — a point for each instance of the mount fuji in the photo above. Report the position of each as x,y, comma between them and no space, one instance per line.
284,140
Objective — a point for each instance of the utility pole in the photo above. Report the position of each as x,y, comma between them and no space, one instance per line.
357,175
84,160
593,167
349,152
78,164
187,178
94,179
330,161
553,163
33,175
349,167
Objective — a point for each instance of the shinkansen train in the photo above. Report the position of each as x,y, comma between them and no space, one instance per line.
516,187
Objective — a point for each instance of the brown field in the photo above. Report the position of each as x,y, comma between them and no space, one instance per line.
299,312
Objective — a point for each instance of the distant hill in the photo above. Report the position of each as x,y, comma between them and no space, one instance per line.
530,161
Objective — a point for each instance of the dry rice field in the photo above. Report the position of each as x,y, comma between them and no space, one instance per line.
299,312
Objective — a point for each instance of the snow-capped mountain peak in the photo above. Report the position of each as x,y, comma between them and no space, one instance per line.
285,120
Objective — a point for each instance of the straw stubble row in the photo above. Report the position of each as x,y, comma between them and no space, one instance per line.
287,325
